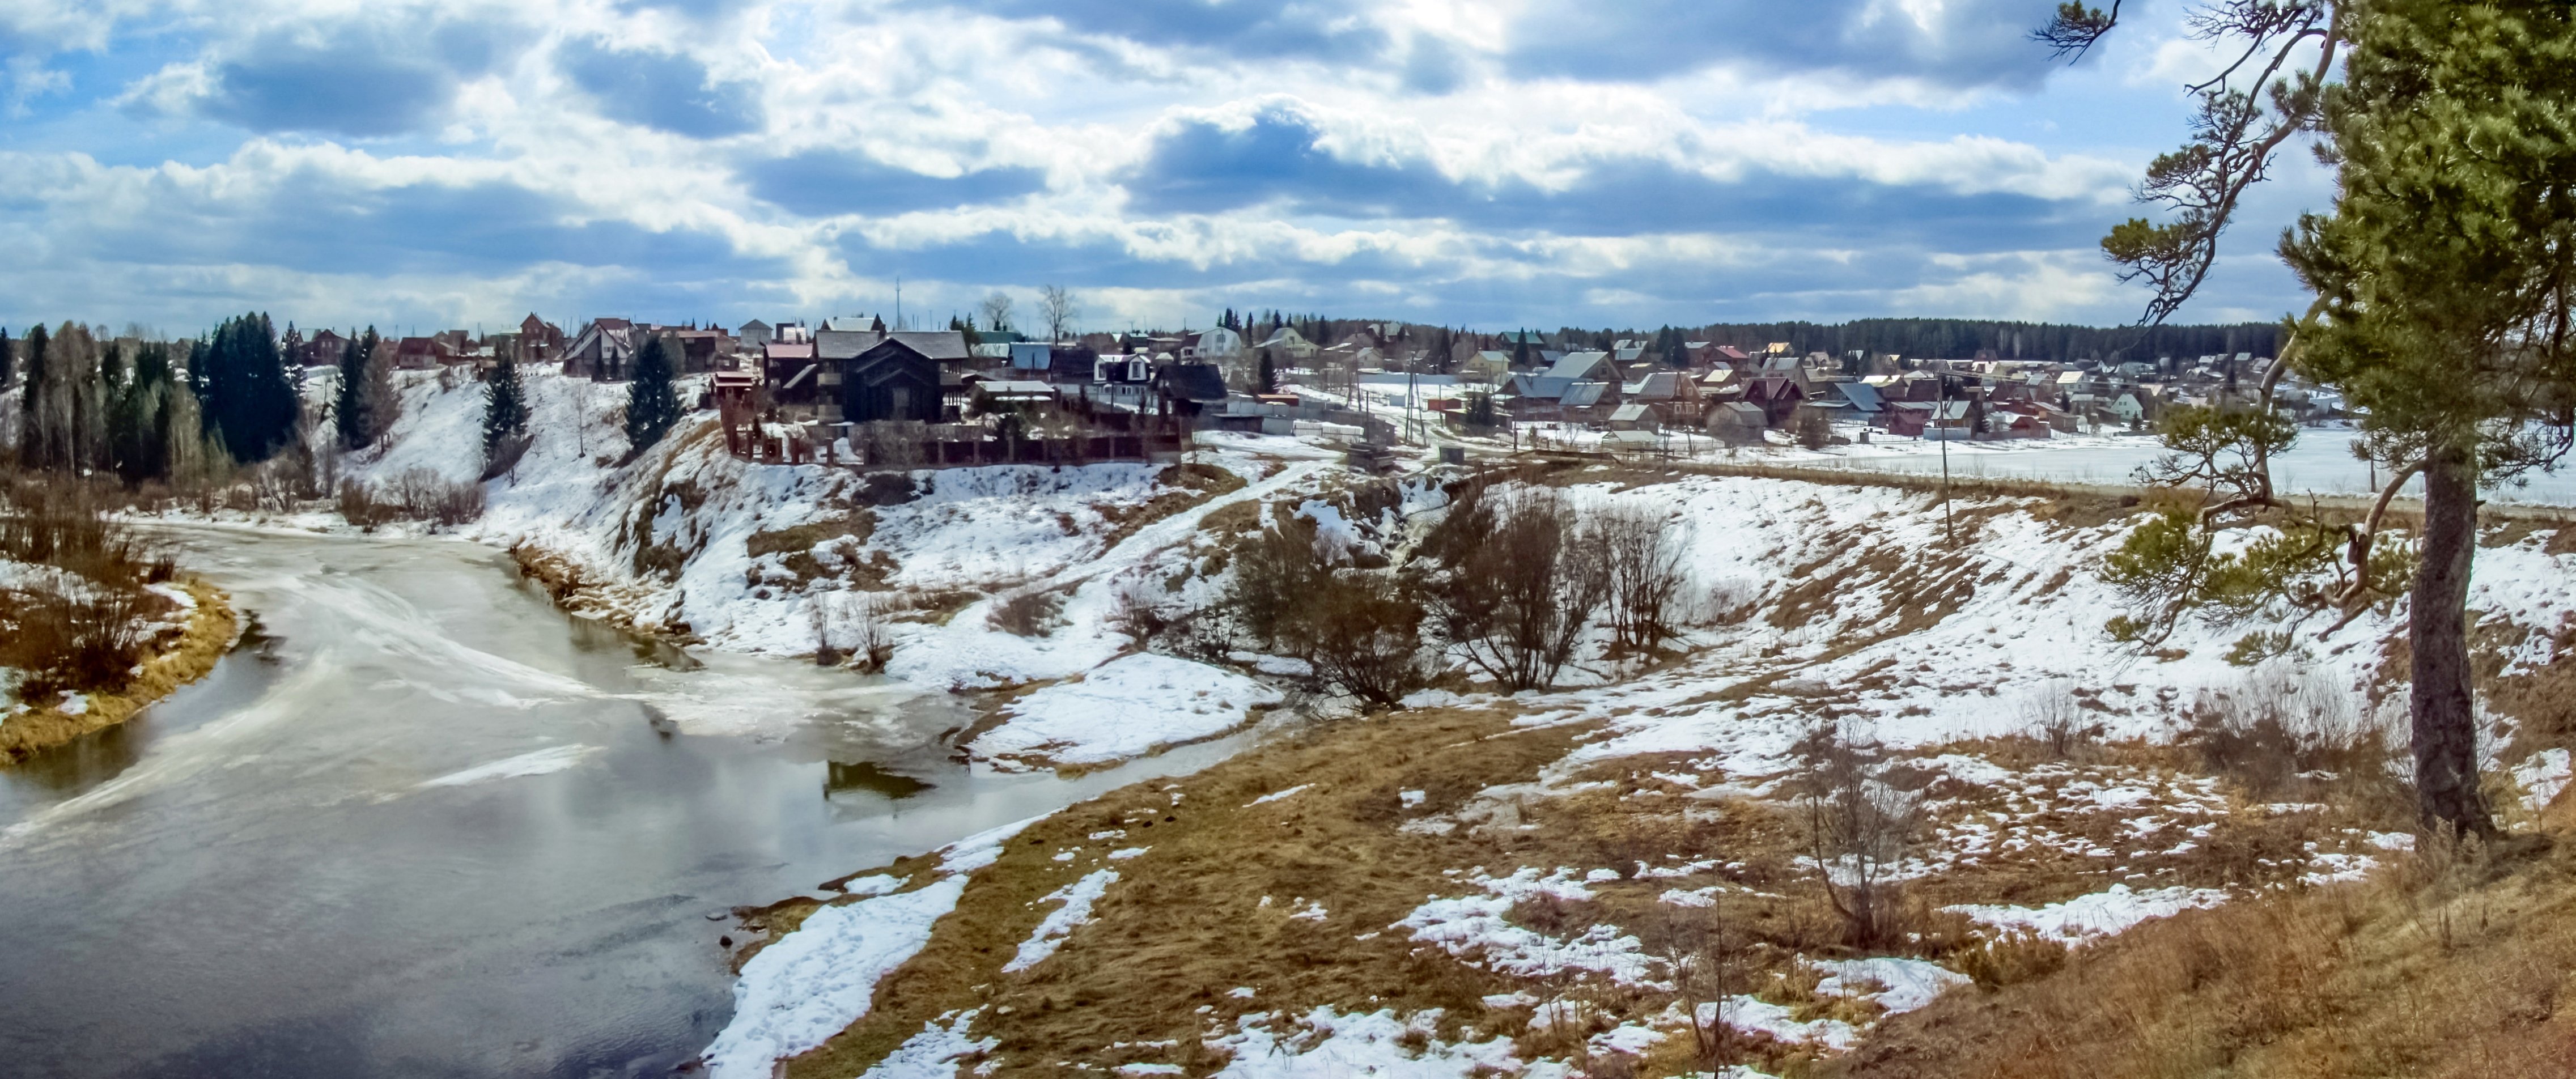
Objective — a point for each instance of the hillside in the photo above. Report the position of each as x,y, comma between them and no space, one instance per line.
1623,874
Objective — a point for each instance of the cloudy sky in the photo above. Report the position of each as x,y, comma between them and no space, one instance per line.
1482,162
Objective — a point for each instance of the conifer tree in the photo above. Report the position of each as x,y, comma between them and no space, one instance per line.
35,445
2443,274
505,408
652,404
249,399
1269,373
349,399
8,359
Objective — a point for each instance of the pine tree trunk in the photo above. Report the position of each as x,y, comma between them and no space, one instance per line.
2445,715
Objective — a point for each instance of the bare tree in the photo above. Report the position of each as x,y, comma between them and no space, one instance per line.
1644,570
1860,827
996,310
1057,305
1517,588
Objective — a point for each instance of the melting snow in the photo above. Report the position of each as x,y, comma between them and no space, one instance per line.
1060,923
2101,914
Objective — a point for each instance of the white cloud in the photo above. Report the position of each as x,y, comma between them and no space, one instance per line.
1448,167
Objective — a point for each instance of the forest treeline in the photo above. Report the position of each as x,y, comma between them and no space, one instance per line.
1911,338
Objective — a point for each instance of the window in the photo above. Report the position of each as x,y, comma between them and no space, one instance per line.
899,402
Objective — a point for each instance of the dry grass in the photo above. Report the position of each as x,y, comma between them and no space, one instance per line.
1188,922
208,635
2443,967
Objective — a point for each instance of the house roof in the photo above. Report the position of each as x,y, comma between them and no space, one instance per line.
1628,413
837,344
1657,385
1575,365
1863,396
1196,382
1583,394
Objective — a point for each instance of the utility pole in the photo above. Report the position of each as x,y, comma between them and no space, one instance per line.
1948,536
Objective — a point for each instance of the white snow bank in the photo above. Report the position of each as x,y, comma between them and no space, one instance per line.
2542,776
1060,923
1478,925
2090,917
933,1053
540,762
815,982
1909,983
1335,1045
1756,1016
983,848
1128,707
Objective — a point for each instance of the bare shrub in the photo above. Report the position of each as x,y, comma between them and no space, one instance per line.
1133,612
1862,818
2279,729
416,494
1710,963
83,624
1274,573
849,628
2053,715
1356,627
1643,574
359,507
1363,639
1032,613
1517,589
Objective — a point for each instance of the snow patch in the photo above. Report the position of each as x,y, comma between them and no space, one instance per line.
1060,923
1129,707
813,983
2091,917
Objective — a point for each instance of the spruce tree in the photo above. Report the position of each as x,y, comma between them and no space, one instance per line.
350,412
1269,373
505,408
8,359
249,398
652,404
34,447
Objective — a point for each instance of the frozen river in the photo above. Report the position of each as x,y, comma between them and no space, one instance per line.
422,823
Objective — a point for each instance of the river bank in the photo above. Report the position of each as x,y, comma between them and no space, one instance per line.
211,628
1621,876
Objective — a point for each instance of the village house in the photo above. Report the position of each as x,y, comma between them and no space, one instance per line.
604,350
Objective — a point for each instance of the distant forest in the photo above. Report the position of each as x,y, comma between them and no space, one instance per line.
1911,338
1951,338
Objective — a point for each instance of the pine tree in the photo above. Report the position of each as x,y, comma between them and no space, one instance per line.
505,409
2442,276
652,405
